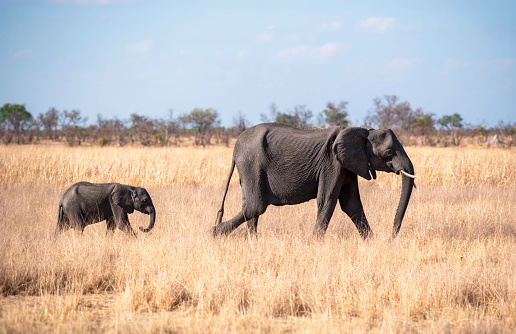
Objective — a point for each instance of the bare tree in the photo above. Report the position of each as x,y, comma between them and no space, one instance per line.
302,116
71,126
171,128
273,111
50,120
240,123
390,114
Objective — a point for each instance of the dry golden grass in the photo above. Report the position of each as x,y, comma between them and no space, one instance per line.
162,167
148,167
451,269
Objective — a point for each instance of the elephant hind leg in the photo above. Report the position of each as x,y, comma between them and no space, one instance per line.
251,210
227,227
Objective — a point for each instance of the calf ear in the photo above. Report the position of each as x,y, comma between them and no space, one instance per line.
122,196
350,150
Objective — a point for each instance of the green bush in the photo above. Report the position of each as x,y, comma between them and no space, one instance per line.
103,141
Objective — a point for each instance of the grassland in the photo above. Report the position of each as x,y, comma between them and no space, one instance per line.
451,269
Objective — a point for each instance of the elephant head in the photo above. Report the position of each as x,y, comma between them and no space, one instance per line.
131,198
364,151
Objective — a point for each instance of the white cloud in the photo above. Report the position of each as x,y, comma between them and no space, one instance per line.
375,25
309,51
267,35
395,68
293,38
241,54
138,47
504,64
501,65
449,65
401,65
414,26
331,26
22,54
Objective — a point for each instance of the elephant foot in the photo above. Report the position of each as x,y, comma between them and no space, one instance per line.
319,232
218,231
366,234
220,213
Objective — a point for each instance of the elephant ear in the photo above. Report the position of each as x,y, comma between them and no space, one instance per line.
350,150
123,197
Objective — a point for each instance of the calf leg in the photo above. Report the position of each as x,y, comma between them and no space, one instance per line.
110,224
252,226
122,221
77,221
63,224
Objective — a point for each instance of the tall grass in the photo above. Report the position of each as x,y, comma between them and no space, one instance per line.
161,167
451,269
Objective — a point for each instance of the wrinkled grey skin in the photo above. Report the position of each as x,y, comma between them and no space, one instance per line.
281,165
87,203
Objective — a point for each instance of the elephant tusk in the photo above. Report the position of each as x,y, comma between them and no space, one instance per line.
407,174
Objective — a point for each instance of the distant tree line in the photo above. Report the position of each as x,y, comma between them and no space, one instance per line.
202,126
17,125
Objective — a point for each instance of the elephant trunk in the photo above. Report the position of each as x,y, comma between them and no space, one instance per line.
152,221
406,190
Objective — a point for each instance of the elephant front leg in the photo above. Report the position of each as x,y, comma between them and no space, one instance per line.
359,219
122,221
128,229
351,204
325,210
110,224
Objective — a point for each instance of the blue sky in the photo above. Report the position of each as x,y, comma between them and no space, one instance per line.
120,57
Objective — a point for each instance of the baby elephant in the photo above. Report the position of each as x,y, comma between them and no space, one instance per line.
87,203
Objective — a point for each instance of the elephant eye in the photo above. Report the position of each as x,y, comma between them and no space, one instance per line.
388,153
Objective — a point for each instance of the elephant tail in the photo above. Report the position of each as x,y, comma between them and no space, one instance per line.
60,214
60,220
220,213
61,211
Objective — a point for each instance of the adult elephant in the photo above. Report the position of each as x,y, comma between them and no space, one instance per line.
87,203
281,165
